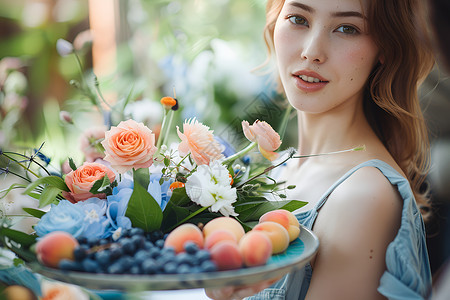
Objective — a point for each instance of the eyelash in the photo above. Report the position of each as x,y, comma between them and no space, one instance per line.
295,18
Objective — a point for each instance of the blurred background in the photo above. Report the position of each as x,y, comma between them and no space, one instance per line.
131,53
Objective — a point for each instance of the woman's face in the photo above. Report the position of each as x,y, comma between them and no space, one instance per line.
324,53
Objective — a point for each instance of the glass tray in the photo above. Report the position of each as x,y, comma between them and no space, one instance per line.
295,257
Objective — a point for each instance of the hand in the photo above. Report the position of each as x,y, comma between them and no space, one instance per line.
239,292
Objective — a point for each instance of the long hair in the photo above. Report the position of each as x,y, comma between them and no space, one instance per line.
391,102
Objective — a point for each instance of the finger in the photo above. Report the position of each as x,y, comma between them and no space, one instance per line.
220,294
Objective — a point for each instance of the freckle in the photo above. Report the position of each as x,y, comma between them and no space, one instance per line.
371,250
370,257
351,79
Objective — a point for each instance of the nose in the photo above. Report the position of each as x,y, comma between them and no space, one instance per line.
314,46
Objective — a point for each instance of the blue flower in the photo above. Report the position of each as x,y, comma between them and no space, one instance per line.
96,223
117,207
160,192
62,217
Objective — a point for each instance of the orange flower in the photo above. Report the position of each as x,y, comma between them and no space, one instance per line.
129,145
262,133
176,185
198,140
168,102
82,179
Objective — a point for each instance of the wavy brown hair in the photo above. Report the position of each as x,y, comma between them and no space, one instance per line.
391,102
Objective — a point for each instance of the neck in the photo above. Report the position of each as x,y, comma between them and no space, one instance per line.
332,131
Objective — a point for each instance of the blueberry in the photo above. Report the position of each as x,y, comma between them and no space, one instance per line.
150,266
103,242
80,252
141,256
159,243
166,258
103,257
191,247
90,265
70,265
127,262
183,269
170,267
135,269
115,253
203,255
116,268
208,266
92,241
128,246
138,241
154,252
82,240
183,258
148,245
137,231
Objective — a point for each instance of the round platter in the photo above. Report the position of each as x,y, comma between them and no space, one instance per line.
295,257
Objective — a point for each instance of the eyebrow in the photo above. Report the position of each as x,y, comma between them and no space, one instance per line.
334,14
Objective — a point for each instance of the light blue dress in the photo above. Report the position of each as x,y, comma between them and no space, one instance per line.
408,274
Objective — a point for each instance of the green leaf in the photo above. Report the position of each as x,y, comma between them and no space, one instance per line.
72,164
180,198
142,176
100,185
37,213
5,192
143,210
53,181
252,211
48,196
19,237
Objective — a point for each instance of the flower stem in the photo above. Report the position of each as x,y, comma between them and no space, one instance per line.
240,153
163,129
291,155
169,124
189,217
24,167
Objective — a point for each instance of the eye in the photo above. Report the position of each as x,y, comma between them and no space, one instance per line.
347,29
298,20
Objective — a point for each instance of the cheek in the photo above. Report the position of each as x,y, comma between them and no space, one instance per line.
358,63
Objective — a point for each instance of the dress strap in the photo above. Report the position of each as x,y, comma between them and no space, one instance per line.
388,171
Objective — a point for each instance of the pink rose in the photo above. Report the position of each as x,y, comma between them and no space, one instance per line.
83,178
90,143
262,133
198,140
129,145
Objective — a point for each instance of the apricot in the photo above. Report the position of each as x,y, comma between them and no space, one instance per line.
226,255
217,236
285,218
224,223
277,234
182,234
54,247
17,292
255,248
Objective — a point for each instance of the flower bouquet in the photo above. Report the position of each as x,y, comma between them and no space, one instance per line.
112,214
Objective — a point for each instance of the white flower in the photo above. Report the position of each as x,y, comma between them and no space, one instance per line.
209,186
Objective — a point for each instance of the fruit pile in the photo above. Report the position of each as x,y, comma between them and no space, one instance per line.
222,244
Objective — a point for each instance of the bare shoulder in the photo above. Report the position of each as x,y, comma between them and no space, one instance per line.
366,199
355,226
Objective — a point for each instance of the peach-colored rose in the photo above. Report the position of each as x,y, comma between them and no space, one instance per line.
129,145
61,291
198,140
90,143
262,133
83,178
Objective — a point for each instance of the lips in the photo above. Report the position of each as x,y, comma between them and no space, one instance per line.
309,81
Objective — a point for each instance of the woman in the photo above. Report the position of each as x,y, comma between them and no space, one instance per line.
351,69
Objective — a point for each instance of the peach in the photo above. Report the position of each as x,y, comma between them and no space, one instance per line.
224,223
17,292
285,218
184,233
54,247
256,248
217,236
277,234
226,255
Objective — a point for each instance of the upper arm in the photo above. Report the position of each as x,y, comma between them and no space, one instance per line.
360,218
